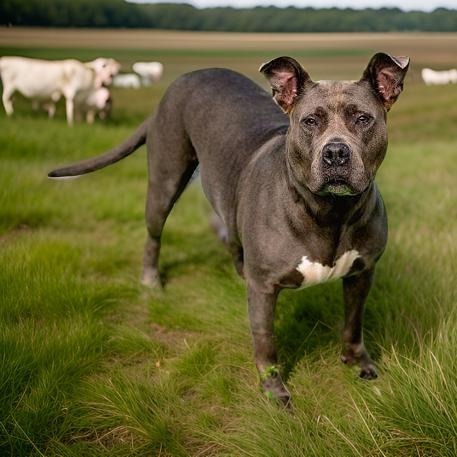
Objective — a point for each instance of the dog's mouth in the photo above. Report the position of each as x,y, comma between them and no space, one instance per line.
338,188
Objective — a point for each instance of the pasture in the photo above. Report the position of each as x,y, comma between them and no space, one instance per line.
92,364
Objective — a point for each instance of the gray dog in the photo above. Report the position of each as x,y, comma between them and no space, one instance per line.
292,182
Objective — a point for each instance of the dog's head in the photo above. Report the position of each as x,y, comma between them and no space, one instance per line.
338,135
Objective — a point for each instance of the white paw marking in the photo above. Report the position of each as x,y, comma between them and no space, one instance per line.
316,273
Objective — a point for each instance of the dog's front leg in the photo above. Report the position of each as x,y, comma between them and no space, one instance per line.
261,317
355,289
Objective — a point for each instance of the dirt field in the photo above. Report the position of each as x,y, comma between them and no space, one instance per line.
436,48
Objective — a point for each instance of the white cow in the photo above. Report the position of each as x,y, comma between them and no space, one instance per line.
149,71
439,77
90,104
128,80
49,80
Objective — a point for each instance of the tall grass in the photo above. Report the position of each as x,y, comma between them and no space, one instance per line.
92,364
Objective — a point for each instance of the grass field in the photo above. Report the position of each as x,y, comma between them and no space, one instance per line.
94,365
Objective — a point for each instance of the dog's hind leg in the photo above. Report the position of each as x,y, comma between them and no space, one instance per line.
172,162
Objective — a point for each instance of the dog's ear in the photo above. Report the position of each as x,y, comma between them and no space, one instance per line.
386,73
287,79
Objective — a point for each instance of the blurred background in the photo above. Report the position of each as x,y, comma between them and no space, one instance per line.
331,42
91,364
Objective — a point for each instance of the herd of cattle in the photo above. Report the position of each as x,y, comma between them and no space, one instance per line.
83,85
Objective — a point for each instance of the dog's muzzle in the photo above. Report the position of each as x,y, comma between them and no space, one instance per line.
336,162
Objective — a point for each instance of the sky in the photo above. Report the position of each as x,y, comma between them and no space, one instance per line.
404,4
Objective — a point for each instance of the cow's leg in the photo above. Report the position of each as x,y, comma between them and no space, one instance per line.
90,116
6,99
55,97
70,108
51,109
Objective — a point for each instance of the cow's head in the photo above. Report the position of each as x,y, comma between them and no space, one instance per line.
104,70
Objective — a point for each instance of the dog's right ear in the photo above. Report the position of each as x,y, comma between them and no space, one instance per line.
287,79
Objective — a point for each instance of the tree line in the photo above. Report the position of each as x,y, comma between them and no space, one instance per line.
119,13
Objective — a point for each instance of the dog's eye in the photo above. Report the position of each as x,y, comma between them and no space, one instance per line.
363,119
310,121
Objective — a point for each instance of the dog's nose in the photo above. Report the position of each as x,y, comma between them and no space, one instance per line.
336,154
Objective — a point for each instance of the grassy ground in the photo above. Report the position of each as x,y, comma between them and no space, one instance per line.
94,365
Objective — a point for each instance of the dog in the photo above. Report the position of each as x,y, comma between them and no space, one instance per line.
291,178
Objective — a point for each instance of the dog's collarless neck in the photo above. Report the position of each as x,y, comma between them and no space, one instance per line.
329,210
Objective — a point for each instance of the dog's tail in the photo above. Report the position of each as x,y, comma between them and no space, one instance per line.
112,156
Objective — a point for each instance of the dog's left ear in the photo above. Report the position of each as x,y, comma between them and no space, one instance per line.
287,79
386,73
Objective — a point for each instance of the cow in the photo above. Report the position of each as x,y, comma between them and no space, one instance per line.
127,80
149,71
44,80
88,104
98,101
431,77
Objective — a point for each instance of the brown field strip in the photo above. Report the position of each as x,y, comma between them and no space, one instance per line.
430,47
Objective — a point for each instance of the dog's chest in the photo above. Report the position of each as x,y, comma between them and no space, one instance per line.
316,273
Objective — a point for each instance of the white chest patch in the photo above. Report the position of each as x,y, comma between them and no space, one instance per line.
315,272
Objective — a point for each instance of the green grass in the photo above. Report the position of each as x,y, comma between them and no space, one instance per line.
94,365
137,54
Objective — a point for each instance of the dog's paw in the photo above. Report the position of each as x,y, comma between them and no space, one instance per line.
151,279
274,388
357,355
368,372
347,360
